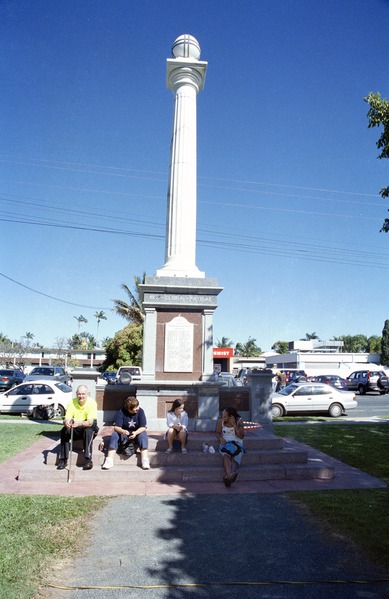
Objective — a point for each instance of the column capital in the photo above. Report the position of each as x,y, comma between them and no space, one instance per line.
185,72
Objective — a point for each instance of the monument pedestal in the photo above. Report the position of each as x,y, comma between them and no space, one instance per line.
178,328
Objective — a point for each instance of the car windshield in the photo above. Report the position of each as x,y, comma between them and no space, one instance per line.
46,371
288,390
6,372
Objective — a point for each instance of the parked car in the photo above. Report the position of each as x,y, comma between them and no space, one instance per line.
242,376
135,373
9,377
312,397
365,381
55,373
228,380
330,379
25,397
110,377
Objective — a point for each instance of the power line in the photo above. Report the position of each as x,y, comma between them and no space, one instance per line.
57,299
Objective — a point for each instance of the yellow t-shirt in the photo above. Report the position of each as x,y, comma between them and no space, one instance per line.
77,412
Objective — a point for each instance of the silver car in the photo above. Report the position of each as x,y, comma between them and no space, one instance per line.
312,397
52,373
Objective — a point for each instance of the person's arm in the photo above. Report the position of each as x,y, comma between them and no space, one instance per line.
142,425
169,419
91,414
69,415
118,424
239,428
184,420
219,436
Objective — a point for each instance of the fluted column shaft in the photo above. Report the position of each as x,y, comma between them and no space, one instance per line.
185,78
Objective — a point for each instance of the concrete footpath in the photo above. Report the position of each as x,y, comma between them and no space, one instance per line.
215,546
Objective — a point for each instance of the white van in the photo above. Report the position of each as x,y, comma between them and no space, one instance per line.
135,373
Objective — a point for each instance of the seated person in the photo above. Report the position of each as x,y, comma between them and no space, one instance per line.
177,423
81,416
230,429
130,425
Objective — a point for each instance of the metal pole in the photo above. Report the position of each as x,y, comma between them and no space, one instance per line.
70,452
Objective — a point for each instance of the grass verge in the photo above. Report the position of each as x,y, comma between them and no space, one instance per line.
35,536
360,514
16,437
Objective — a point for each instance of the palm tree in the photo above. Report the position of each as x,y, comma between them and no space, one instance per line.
80,319
248,349
132,311
311,336
224,342
29,337
100,316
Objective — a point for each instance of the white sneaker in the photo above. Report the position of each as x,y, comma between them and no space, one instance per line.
169,450
145,464
108,464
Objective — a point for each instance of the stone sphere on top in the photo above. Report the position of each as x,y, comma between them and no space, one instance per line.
186,46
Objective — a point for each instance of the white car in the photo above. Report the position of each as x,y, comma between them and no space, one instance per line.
312,397
25,397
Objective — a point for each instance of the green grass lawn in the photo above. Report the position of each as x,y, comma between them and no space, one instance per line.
16,437
360,514
34,536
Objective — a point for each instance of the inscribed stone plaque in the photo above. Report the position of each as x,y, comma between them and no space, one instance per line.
178,345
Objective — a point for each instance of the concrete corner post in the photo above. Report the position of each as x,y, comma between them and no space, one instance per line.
260,384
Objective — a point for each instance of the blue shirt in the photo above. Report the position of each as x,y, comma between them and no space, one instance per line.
130,422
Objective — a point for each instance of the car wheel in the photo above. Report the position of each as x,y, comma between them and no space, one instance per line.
335,410
361,390
61,411
277,410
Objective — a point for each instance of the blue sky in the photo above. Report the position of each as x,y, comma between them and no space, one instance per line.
289,210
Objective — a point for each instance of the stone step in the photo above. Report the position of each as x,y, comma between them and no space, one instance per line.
268,458
179,474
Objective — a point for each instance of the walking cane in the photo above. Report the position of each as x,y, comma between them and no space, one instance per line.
70,452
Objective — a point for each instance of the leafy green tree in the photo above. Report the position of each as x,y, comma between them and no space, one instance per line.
281,347
82,341
379,115
353,344
224,342
248,349
374,344
131,310
385,344
125,348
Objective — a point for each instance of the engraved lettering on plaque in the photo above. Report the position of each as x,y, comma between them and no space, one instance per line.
178,345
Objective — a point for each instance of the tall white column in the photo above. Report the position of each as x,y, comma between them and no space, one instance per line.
185,77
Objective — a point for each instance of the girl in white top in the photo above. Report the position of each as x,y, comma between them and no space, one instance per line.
177,423
230,428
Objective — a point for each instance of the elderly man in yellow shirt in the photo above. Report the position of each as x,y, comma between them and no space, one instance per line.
81,416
